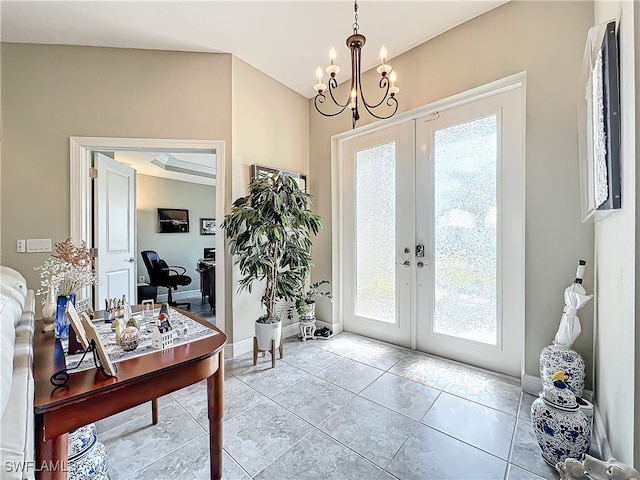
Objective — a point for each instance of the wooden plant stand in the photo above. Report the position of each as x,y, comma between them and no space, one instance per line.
272,351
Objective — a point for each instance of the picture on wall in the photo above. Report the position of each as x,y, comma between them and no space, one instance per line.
301,178
599,123
207,226
173,220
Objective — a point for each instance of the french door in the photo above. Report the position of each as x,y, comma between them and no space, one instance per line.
433,232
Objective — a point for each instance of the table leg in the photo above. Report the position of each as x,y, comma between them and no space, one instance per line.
51,458
154,411
215,404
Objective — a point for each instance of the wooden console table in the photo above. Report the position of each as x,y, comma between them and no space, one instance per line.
89,396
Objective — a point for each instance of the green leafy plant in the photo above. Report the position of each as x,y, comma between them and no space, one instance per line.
310,295
269,234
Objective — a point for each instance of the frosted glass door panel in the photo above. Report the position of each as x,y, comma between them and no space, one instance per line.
465,165
375,213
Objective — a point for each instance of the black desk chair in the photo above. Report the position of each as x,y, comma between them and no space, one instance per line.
163,275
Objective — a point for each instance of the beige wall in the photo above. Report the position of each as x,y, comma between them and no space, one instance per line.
182,249
545,39
270,127
51,93
616,334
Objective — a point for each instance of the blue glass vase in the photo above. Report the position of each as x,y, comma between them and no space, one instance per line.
62,322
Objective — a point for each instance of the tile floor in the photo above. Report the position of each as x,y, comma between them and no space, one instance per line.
343,408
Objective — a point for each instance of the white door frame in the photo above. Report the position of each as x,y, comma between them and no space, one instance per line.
81,215
337,182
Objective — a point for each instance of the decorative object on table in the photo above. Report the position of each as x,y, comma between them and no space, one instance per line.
306,308
70,269
87,456
105,364
164,308
269,234
78,341
562,430
356,96
162,335
592,468
130,338
49,307
133,322
182,329
147,308
560,355
120,326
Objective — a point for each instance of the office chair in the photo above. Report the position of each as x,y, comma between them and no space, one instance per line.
163,275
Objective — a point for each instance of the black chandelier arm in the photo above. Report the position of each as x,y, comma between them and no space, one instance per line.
391,102
333,83
384,84
320,99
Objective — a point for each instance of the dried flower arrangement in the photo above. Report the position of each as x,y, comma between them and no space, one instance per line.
71,269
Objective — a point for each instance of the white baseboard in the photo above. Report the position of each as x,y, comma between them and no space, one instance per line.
236,349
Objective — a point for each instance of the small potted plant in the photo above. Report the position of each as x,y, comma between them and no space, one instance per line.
269,234
306,304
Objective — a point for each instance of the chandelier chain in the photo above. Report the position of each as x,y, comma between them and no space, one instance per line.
355,15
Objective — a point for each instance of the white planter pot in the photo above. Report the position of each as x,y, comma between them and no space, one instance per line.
265,332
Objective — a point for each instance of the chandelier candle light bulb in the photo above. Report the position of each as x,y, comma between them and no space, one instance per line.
355,43
319,87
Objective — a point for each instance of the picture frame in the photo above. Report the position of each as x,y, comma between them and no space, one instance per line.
301,178
599,124
207,226
173,220
109,367
76,323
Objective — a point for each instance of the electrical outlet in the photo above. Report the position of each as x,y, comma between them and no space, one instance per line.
21,246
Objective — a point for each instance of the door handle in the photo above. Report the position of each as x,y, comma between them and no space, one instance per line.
420,251
407,263
131,260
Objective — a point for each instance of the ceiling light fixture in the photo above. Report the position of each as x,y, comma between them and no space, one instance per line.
387,80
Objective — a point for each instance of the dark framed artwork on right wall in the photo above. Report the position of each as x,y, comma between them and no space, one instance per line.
599,124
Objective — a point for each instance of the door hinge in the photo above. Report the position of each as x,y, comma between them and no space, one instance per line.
94,252
93,173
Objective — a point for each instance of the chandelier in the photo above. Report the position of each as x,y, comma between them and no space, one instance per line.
356,96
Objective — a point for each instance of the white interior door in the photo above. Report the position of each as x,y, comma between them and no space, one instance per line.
470,217
114,229
378,232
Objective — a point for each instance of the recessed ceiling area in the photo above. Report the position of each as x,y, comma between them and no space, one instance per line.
287,40
185,167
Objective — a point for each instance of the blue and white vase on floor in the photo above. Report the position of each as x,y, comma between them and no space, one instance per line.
87,456
62,322
562,429
556,357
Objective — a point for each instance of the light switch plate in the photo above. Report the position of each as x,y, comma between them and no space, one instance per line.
38,244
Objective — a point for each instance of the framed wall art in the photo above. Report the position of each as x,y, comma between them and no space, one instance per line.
301,178
207,226
173,220
599,124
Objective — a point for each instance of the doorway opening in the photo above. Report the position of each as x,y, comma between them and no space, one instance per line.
131,151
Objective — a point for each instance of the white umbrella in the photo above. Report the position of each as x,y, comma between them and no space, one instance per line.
575,297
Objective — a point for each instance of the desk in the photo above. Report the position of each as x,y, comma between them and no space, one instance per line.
207,270
89,396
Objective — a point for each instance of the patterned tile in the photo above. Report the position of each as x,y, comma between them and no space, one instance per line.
272,381
314,399
311,359
349,374
261,434
401,395
491,390
525,452
429,454
370,429
131,414
318,456
428,370
479,426
138,444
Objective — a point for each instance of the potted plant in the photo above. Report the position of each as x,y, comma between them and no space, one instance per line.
269,234
306,304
